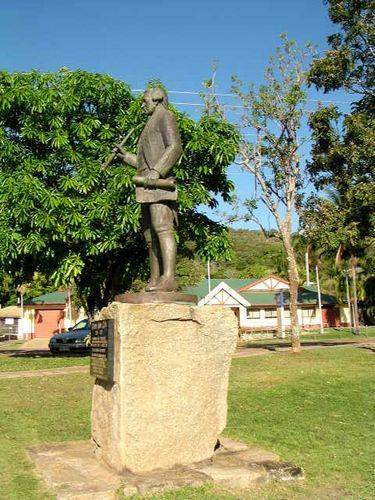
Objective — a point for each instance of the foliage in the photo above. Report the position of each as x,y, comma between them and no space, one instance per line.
349,63
342,155
254,256
64,216
9,292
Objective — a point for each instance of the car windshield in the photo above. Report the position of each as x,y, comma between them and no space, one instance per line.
80,325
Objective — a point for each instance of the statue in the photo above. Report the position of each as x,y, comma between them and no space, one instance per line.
159,148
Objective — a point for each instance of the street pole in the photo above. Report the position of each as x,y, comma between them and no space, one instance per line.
70,306
280,314
348,301
307,268
209,275
319,298
22,290
355,301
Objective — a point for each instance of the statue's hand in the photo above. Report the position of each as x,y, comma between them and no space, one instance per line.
118,149
153,174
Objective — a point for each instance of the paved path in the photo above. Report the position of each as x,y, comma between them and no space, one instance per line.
52,372
34,345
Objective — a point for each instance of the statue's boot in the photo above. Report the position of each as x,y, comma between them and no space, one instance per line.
151,285
166,284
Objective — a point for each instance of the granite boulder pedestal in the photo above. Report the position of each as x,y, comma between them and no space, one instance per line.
167,403
157,419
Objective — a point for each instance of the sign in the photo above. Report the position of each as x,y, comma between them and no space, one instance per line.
102,340
280,300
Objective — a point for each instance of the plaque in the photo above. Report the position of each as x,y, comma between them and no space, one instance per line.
102,340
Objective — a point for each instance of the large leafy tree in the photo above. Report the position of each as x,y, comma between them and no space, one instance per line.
343,144
65,216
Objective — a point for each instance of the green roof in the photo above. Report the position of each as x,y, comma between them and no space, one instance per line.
201,289
260,298
306,294
50,298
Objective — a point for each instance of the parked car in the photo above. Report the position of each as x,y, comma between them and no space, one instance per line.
74,340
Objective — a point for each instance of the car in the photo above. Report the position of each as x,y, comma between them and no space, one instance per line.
72,341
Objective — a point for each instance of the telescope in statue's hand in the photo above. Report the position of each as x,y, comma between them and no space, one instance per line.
116,151
167,184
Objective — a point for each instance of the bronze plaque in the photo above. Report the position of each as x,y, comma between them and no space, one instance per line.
102,340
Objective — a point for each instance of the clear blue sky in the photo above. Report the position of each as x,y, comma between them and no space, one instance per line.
173,40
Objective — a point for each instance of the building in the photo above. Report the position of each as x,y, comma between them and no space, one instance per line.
263,304
10,322
48,314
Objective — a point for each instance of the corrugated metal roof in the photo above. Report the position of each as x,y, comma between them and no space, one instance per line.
10,312
50,298
306,295
260,298
201,289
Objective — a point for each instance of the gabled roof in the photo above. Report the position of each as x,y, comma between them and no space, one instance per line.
201,289
232,293
261,280
50,298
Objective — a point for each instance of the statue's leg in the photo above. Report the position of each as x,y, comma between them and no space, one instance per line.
152,245
162,218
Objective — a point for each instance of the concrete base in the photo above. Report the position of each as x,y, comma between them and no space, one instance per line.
168,402
71,471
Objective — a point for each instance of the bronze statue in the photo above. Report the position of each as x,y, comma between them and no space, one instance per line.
159,148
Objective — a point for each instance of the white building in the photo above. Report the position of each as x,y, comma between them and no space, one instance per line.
263,304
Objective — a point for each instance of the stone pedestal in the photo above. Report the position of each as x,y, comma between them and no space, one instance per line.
168,402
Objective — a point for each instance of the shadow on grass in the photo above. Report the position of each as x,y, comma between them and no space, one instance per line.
19,353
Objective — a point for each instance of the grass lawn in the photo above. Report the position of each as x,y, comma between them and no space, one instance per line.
12,363
344,334
315,409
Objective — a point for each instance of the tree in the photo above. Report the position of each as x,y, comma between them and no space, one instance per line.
349,63
275,112
342,155
62,214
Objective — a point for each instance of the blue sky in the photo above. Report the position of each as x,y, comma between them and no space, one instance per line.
173,40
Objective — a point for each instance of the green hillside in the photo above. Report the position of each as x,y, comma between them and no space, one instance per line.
254,255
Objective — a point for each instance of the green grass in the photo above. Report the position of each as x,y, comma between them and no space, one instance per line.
342,334
38,410
315,409
11,363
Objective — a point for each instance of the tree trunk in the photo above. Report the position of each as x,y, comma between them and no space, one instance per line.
293,291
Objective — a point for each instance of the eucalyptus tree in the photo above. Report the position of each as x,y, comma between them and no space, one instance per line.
273,113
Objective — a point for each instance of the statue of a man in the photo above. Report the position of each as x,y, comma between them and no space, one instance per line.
159,148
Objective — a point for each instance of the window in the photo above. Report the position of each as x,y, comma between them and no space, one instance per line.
286,313
308,313
271,313
84,323
253,313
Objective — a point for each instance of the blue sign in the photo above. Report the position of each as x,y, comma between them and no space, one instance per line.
280,300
